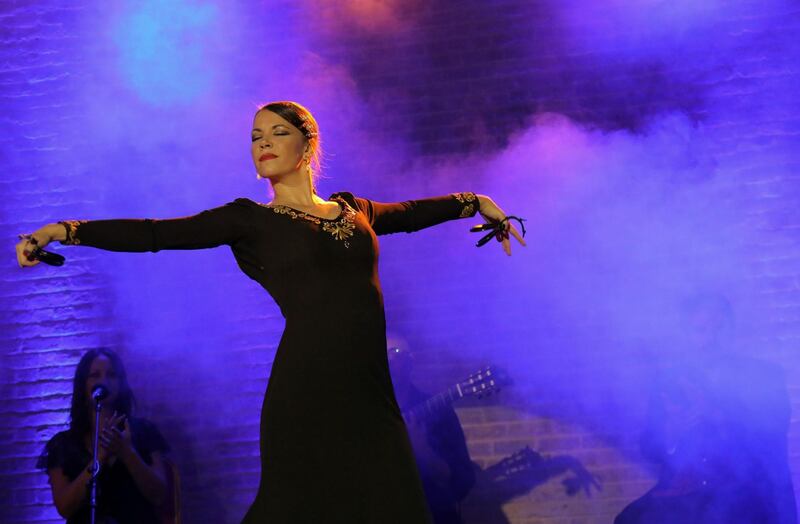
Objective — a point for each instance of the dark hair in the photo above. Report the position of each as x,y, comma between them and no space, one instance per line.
304,121
79,413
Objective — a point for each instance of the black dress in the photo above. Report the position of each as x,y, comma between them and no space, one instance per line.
118,498
334,447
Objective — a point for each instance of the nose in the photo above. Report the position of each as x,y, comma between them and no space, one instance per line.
265,144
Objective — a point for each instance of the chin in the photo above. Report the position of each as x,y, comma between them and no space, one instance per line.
273,175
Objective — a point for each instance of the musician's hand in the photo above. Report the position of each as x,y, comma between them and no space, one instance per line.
582,479
117,442
103,454
490,211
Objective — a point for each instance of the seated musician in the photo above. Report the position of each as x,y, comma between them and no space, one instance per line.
440,447
717,429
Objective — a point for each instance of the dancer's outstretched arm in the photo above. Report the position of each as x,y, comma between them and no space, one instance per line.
413,215
221,225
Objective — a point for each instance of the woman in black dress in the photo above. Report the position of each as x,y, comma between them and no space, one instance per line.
333,444
131,484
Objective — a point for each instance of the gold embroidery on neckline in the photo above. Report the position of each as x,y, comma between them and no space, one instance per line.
341,227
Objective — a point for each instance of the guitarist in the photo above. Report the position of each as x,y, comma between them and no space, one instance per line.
717,427
438,441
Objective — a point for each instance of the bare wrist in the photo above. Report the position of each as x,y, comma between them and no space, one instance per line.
51,232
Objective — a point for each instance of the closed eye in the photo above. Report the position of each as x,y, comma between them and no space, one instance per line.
279,133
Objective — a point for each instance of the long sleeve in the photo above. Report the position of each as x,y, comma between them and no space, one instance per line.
226,224
413,215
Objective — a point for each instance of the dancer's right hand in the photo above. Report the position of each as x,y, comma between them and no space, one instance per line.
41,237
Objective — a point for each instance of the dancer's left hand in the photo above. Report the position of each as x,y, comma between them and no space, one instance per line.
492,213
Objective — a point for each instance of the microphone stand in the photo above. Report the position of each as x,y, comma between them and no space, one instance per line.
95,464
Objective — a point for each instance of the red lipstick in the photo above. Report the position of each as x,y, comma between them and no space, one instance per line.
266,156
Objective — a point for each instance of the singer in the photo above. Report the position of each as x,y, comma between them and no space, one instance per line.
131,482
334,447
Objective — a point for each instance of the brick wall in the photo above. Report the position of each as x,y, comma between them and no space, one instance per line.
682,123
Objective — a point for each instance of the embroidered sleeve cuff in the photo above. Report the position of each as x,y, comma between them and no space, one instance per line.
469,204
72,232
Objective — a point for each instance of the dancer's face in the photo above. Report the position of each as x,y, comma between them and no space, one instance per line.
277,146
102,372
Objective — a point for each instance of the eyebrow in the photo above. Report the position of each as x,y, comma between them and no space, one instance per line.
255,129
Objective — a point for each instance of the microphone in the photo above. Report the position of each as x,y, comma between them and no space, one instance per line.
49,258
99,392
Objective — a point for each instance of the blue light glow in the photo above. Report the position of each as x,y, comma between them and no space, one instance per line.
162,48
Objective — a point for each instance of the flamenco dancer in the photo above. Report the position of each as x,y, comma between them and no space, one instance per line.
334,447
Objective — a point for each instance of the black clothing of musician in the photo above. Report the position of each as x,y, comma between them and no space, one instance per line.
334,447
118,499
444,436
717,429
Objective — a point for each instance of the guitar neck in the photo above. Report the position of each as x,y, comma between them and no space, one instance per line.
435,403
480,384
